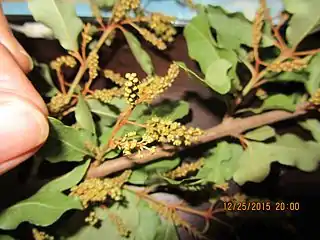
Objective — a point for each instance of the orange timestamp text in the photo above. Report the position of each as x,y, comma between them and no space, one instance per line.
260,206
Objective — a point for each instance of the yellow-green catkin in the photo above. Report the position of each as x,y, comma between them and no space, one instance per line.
162,26
131,88
93,65
92,219
114,77
131,142
122,7
152,38
106,95
86,37
258,24
97,190
315,99
58,103
123,230
38,235
153,86
185,169
63,60
289,66
167,131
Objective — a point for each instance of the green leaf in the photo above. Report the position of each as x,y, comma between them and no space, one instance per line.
61,17
6,237
65,143
201,45
42,209
166,231
141,55
241,32
136,216
288,77
142,174
277,101
221,164
43,84
83,115
107,112
68,180
217,76
313,125
289,149
314,78
172,110
261,134
305,19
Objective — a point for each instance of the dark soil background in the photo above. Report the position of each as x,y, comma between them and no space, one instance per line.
286,184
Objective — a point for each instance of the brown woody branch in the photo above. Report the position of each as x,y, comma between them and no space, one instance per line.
229,127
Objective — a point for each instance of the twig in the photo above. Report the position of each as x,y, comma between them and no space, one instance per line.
231,126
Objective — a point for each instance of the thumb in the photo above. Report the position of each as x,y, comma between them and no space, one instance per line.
23,122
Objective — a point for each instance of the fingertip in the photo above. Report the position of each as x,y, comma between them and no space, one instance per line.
9,41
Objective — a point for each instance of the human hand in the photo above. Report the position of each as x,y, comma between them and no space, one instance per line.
23,122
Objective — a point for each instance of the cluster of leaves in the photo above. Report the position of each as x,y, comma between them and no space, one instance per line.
118,128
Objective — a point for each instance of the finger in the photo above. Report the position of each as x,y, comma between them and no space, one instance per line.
8,40
23,128
14,81
8,165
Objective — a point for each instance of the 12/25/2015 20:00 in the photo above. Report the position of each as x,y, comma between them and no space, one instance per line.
260,206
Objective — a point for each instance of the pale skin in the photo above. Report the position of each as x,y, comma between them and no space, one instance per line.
23,114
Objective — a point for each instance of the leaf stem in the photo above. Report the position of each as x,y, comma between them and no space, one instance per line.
229,127
84,66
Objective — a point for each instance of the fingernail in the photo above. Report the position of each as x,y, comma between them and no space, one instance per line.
22,128
31,64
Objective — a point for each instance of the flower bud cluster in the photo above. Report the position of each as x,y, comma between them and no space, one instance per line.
114,77
152,38
93,65
37,235
131,88
167,131
63,60
58,103
122,7
185,169
97,190
315,99
156,85
106,95
92,219
289,66
162,26
258,25
86,37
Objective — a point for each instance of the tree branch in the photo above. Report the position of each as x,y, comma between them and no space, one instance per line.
229,127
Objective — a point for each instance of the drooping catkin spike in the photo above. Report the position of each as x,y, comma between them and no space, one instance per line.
114,77
185,169
122,7
97,190
153,86
93,65
63,60
289,66
151,37
123,230
58,103
106,95
86,37
258,23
